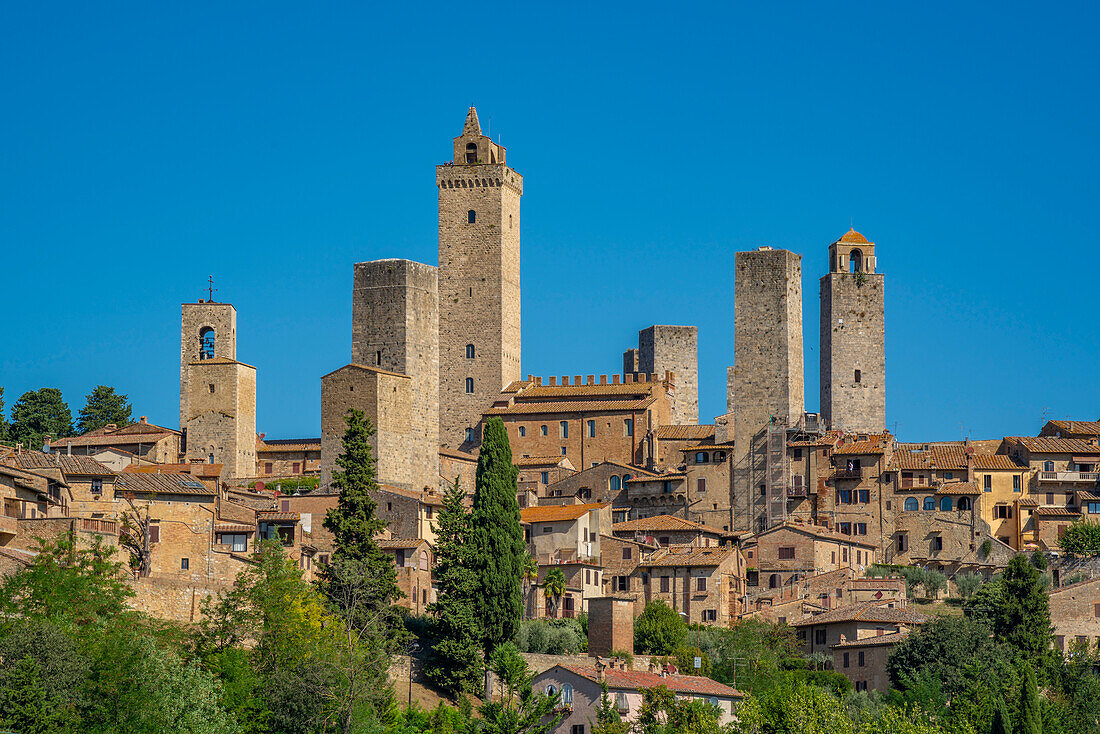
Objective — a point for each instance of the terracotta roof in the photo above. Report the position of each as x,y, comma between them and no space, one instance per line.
365,368
289,444
397,543
685,433
220,360
427,498
1056,512
443,451
275,515
639,679
127,435
727,446
853,237
993,462
865,612
558,392
890,639
935,457
538,460
81,465
657,477
1046,445
829,439
557,513
1029,502
873,445
26,480
233,527
579,406
199,469
689,556
661,523
148,483
958,488
1086,428
820,532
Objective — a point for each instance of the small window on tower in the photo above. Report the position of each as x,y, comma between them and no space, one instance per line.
206,343
469,351
471,216
469,384
471,153
211,388
378,358
859,376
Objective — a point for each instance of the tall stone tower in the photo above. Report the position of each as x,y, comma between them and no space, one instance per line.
217,393
479,301
767,378
670,349
853,338
395,328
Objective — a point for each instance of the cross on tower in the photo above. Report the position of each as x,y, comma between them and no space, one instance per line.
210,289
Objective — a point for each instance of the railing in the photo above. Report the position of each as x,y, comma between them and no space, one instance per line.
106,527
796,491
848,474
1068,476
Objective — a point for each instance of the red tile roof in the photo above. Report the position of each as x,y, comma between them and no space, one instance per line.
853,237
174,484
1046,445
950,458
557,513
873,445
890,639
633,680
865,612
582,406
77,465
538,460
1083,428
1056,512
959,489
662,523
689,557
685,433
398,543
820,532
996,462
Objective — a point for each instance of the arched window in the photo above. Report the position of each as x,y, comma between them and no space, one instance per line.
206,343
855,261
964,503
911,504
469,384
471,216
616,483
567,695
773,581
929,503
471,152
469,351
945,504
551,690
1048,466
423,560
701,457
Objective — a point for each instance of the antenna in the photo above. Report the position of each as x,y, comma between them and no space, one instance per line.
210,289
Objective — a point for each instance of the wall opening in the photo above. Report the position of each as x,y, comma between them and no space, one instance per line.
471,217
855,261
206,343
471,152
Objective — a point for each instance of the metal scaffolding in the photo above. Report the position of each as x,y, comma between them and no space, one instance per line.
776,472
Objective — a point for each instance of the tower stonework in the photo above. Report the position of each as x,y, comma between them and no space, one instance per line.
479,282
853,338
217,393
674,349
767,375
395,328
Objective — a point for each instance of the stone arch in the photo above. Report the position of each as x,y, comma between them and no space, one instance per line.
207,338
855,260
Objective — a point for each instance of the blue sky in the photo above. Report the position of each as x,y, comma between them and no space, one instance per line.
147,146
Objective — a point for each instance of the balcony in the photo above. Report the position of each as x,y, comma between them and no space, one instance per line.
795,492
1069,476
102,527
856,474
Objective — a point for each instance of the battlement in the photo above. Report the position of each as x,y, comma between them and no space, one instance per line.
591,380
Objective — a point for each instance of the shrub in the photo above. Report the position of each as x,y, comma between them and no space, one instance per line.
538,636
563,641
968,583
658,629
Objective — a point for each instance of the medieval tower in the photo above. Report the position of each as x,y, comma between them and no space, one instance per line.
479,278
217,393
670,349
766,383
853,338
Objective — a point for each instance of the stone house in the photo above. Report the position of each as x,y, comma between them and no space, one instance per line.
1071,429
143,439
414,559
90,485
709,472
820,633
809,467
663,494
558,533
536,473
856,504
584,580
410,514
673,439
588,422
619,558
580,690
1075,615
668,530
288,457
118,460
788,555
27,496
705,584
863,661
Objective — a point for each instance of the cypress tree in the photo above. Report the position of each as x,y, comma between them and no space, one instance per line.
455,664
353,521
1023,618
1031,717
1001,723
497,539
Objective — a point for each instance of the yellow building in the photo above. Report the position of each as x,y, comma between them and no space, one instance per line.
1003,483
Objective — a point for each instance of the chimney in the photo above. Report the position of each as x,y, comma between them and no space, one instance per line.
599,668
614,379
652,666
110,427
46,445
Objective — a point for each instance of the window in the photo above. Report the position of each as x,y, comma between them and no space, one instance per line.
1016,483
1094,508
564,426
469,385
1050,498
844,555
701,484
154,533
185,564
237,542
819,637
701,457
211,387
567,694
987,482
861,528
269,467
844,497
664,584
591,429
469,351
701,583
628,553
471,217
864,496
1048,466
859,375
845,660
97,486
206,343
964,503
844,528
945,504
469,435
628,426
544,477
471,152
663,541
773,581
1002,512
587,576
563,451
622,583
378,358
903,542
948,475
545,431
929,503
295,467
522,431
786,552
911,504
615,482
937,543
796,454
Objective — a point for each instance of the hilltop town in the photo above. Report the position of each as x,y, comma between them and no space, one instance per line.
823,522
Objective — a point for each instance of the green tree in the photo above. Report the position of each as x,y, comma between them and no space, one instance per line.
38,414
1031,716
25,703
59,668
1081,538
804,709
3,418
608,718
553,587
942,648
456,662
1023,617
518,709
658,629
497,539
968,583
933,582
102,406
1002,724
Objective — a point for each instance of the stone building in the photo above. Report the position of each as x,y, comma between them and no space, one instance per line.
287,457
667,530
605,482
585,421
821,632
672,439
142,439
395,327
1075,615
853,338
854,504
671,349
565,532
81,485
217,393
706,584
767,380
479,282
384,397
414,560
789,555
863,660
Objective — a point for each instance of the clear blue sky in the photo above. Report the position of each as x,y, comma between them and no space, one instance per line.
146,146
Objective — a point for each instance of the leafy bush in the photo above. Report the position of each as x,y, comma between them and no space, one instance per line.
1081,538
563,641
658,629
538,636
968,583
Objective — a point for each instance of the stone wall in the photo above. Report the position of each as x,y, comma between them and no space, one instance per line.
194,317
221,418
1075,614
853,339
674,349
172,599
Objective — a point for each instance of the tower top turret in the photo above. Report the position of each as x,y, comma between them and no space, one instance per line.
471,148
852,253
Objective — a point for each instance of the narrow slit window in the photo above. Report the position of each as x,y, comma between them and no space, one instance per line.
469,384
471,217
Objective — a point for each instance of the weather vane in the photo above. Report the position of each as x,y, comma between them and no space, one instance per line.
210,289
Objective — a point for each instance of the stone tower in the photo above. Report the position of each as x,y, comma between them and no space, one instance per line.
217,393
479,300
670,349
853,338
767,378
395,328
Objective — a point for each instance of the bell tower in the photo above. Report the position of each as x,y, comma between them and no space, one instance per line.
479,271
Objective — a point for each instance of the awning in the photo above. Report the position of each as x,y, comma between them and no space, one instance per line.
1086,459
